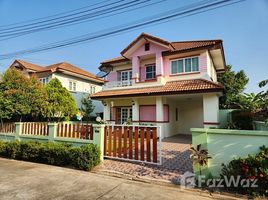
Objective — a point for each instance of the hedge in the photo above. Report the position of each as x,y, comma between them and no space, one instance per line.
60,154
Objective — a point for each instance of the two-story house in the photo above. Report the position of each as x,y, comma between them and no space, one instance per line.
79,82
169,84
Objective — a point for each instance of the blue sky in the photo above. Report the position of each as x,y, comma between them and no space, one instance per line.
243,27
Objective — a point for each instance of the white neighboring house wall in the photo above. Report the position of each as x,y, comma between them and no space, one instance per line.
80,88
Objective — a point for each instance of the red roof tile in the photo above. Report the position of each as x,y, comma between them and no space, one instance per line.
173,46
71,68
30,66
173,87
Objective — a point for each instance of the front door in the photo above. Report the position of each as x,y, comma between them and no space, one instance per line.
126,114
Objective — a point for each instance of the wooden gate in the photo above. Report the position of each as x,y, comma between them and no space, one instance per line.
133,143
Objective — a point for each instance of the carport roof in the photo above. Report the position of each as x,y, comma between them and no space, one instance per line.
170,88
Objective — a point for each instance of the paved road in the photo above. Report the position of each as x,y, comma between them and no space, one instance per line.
24,180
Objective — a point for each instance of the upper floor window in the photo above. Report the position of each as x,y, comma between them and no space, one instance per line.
72,86
92,89
147,46
185,65
150,71
44,81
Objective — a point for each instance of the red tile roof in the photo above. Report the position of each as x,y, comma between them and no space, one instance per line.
185,45
173,87
173,46
30,66
64,66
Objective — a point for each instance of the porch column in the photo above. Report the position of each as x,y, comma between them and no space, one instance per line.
159,109
159,66
135,68
211,110
135,110
107,110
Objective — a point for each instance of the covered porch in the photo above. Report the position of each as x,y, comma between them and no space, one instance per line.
175,114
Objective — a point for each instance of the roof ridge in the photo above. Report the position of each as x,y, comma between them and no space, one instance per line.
184,41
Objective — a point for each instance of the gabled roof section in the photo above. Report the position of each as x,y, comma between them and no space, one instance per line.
148,38
67,67
28,65
215,48
186,45
170,88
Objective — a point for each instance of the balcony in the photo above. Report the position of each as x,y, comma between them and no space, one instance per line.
115,84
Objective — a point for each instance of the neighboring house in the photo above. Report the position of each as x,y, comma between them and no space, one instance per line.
79,82
169,84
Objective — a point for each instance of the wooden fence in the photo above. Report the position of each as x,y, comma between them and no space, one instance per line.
35,128
7,127
137,143
77,130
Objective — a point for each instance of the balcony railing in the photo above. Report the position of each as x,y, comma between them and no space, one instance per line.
118,84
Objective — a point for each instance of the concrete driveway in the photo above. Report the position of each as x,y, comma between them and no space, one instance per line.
25,180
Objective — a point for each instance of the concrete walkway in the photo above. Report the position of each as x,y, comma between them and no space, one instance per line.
25,180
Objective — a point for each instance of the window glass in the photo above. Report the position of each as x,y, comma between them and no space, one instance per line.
174,67
195,65
180,66
70,85
185,65
150,72
188,65
74,86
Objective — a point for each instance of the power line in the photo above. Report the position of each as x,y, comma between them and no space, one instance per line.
40,25
50,16
187,10
88,20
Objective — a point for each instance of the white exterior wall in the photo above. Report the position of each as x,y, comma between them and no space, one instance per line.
211,71
81,85
211,110
83,88
190,115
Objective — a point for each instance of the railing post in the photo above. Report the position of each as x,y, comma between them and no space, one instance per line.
98,137
52,131
18,130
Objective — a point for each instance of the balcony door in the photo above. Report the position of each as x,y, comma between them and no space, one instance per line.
126,78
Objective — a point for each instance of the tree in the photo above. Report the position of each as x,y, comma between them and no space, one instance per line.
234,84
20,96
61,103
87,107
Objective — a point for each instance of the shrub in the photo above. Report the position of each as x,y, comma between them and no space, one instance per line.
251,168
61,154
242,120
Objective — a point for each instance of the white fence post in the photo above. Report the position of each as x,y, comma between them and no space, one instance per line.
52,131
98,137
18,130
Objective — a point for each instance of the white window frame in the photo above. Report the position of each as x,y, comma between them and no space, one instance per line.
183,60
150,65
129,78
44,80
72,86
129,114
92,89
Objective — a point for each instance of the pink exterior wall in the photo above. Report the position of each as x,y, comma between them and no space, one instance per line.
155,50
142,73
148,113
112,76
203,63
